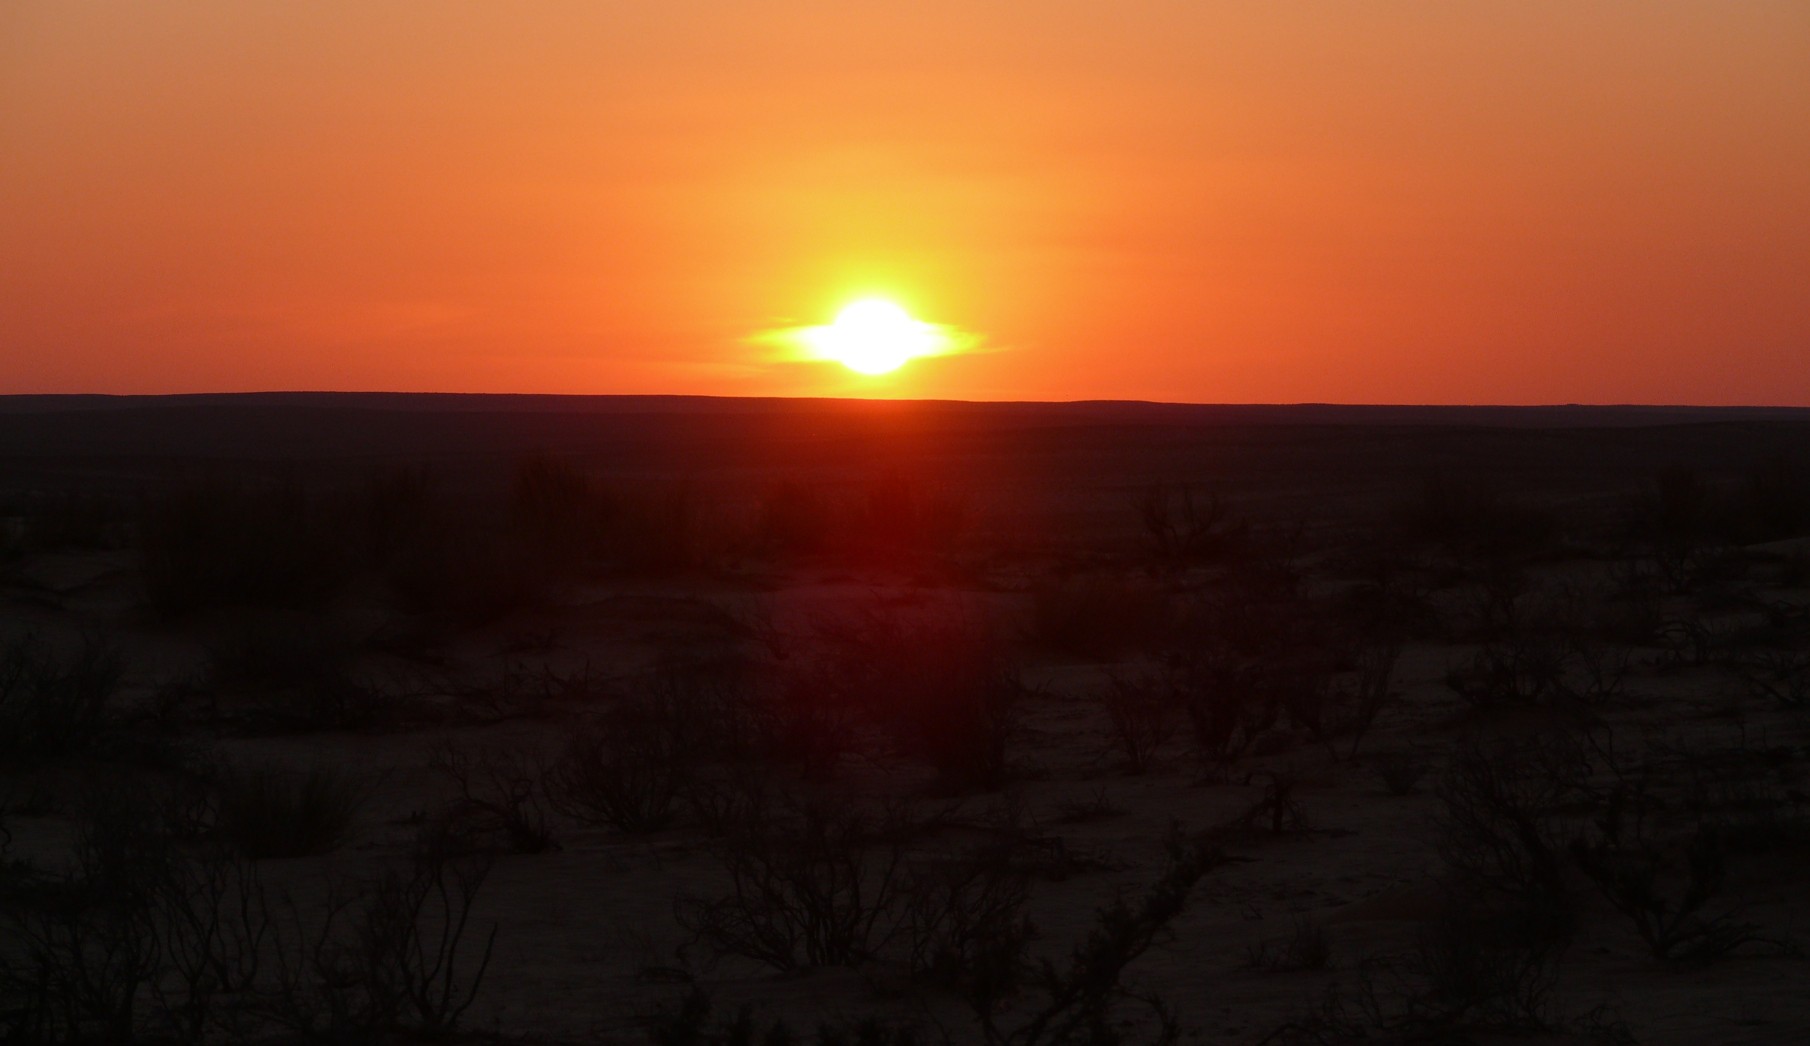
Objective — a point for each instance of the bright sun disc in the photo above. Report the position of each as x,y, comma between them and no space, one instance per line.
874,336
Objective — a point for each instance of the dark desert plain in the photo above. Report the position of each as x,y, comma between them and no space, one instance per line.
595,719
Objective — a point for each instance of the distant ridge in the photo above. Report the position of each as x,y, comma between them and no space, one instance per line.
1114,411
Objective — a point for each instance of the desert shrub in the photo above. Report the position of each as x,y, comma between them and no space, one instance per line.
1556,667
1694,641
225,544
1079,1001
1773,501
1794,570
1097,617
626,773
83,948
501,793
1185,524
706,703
1275,809
272,811
795,518
298,675
1305,948
73,520
936,683
527,688
691,1023
634,766
138,940
1666,886
810,886
966,733
1472,975
54,704
1507,813
809,716
966,927
1472,518
667,531
814,885
464,574
1401,771
1677,526
1338,708
896,514
387,954
724,800
143,940
558,512
1143,711
1524,670
1779,676
394,509
1751,796
1242,656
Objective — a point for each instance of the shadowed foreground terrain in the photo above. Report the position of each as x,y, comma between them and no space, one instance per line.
335,718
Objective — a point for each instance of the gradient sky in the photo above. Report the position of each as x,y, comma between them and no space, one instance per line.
1511,201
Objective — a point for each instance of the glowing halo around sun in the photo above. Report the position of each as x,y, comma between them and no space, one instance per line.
873,336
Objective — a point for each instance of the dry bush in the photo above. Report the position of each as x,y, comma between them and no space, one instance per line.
1098,617
1781,677
227,544
558,513
299,675
810,886
52,704
1339,707
1305,948
395,509
1508,811
900,515
1249,653
501,794
1556,667
1467,975
1185,524
1080,1001
1276,810
1752,796
667,531
1401,771
464,575
811,716
813,884
271,811
1665,880
71,520
936,684
626,772
140,940
1470,518
890,517
630,768
794,518
690,1023
1144,711
83,948
388,954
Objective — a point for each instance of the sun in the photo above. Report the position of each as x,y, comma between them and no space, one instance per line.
874,336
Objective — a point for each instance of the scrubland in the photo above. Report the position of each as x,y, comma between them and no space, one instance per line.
836,750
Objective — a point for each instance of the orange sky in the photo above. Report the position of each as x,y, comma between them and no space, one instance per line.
1441,201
